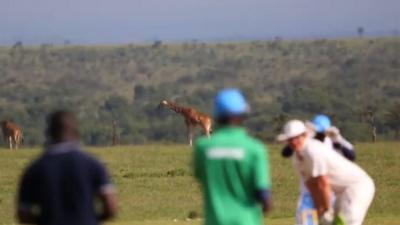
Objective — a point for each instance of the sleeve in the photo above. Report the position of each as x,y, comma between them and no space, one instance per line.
345,147
318,163
287,152
261,169
197,161
102,181
27,191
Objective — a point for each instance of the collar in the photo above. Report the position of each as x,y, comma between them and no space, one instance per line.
63,147
232,129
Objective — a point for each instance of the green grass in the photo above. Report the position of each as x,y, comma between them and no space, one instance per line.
155,185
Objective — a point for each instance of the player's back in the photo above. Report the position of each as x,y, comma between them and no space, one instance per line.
342,173
64,185
226,166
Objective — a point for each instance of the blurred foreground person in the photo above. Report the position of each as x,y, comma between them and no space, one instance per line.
320,129
325,172
62,185
232,167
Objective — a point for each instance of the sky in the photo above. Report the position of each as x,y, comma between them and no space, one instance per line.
129,21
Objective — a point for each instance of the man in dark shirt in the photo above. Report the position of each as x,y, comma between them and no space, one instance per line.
63,184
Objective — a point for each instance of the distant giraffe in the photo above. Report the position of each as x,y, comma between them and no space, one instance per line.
192,118
12,134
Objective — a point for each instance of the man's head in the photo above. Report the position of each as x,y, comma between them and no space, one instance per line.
321,123
230,107
62,126
294,133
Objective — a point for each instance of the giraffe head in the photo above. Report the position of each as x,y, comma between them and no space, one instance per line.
163,103
3,122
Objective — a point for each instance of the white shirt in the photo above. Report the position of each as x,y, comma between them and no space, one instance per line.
317,159
328,142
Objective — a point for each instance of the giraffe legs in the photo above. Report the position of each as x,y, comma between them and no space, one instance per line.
207,130
208,133
190,134
17,139
10,142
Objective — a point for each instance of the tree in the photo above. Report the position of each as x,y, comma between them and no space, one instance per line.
17,53
360,31
156,44
114,134
279,121
368,115
17,44
392,119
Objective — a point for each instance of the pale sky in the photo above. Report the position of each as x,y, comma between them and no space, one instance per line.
126,21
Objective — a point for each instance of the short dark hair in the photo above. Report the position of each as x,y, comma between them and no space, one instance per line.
226,120
56,123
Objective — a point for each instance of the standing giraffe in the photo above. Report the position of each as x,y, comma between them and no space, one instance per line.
12,134
192,118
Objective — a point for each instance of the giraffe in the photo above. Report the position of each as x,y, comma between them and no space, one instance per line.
192,117
12,134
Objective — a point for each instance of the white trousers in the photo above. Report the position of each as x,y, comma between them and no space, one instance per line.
353,203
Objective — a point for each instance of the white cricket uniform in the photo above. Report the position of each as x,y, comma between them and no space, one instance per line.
305,192
353,188
329,144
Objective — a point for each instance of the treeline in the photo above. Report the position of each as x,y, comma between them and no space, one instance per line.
356,82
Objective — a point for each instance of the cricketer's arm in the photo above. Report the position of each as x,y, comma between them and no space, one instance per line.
320,192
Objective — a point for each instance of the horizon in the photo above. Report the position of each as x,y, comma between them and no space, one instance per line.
211,41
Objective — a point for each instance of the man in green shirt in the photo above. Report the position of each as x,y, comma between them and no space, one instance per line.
232,167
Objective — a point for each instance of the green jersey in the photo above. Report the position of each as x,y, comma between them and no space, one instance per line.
231,166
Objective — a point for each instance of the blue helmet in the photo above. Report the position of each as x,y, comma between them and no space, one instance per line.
321,123
230,102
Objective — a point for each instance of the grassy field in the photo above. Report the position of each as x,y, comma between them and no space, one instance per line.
155,185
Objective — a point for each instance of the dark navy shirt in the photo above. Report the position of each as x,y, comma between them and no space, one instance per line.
62,186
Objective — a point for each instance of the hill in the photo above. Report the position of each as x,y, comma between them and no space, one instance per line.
356,81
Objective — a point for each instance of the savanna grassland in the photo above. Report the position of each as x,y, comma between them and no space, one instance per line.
155,184
355,81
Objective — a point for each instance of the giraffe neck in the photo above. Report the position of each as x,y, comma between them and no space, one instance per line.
174,107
